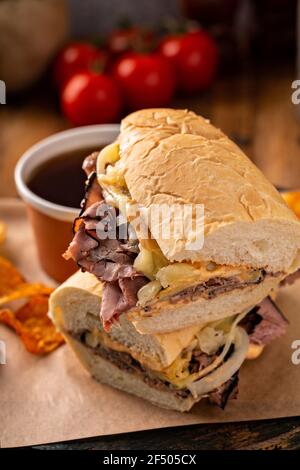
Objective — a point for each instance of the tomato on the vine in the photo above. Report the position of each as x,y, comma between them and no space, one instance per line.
77,57
194,56
147,80
91,98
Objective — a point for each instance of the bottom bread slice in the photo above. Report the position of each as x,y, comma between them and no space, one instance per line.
106,372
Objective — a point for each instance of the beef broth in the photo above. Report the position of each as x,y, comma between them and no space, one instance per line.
61,179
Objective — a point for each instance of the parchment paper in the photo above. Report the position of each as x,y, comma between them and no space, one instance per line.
52,398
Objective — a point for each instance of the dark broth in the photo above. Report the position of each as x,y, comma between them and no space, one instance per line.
61,179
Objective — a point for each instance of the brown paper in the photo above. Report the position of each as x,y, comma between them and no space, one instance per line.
47,399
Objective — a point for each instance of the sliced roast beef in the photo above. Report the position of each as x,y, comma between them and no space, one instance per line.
93,192
81,245
264,322
226,391
109,259
119,296
213,287
200,361
250,321
273,324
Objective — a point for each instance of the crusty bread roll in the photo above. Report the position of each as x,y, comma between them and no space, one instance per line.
176,157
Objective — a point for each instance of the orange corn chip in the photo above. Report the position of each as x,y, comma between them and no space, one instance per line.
10,277
33,326
25,290
13,286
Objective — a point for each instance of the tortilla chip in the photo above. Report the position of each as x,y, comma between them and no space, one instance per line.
33,325
10,277
30,321
2,232
25,290
13,286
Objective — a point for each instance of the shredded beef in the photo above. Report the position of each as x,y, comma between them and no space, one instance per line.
199,361
264,323
250,321
228,390
272,325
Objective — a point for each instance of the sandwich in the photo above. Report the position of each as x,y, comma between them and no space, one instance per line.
172,318
172,370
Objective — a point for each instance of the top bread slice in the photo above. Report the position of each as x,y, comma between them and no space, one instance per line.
176,157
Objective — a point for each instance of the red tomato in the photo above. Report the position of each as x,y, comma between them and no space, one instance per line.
147,80
74,58
194,56
91,98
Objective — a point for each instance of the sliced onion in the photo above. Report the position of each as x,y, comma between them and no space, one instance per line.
219,376
148,292
219,359
169,275
210,340
144,263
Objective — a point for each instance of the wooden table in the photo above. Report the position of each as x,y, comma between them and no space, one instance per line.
254,108
256,435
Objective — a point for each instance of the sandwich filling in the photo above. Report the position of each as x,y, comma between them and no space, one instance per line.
209,365
135,272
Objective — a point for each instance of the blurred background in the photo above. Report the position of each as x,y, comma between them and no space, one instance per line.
69,63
